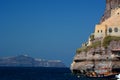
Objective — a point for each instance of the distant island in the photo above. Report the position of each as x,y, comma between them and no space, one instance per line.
26,61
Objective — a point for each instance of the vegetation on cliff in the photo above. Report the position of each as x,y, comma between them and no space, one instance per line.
108,39
95,44
79,50
105,43
92,37
86,48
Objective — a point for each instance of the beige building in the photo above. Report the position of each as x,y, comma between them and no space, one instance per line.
110,22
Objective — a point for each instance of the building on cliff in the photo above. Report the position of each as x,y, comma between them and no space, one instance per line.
109,24
99,56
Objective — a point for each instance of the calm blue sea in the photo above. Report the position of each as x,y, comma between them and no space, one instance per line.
27,73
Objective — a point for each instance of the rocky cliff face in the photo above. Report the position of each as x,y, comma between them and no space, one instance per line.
111,5
98,59
100,56
26,61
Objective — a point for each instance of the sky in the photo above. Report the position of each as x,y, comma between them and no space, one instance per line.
47,29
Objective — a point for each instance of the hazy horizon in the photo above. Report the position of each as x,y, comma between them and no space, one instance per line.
47,29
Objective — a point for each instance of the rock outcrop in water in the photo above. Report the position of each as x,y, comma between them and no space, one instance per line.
26,61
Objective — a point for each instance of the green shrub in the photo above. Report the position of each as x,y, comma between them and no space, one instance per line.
106,42
108,39
79,50
92,37
95,44
86,48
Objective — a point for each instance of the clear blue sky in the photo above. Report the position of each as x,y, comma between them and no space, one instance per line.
49,29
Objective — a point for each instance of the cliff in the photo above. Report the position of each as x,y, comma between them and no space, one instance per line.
26,61
102,58
111,5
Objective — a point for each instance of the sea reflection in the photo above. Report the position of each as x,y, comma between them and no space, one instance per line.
106,79
84,78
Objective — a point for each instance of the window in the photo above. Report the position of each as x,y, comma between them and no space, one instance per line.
110,30
116,29
98,31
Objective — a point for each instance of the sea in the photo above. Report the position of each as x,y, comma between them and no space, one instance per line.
40,73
